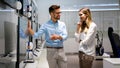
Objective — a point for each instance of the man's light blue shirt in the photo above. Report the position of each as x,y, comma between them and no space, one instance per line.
22,34
50,28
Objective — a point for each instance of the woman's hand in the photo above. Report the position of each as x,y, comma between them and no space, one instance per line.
79,24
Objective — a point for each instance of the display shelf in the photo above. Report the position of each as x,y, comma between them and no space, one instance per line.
111,63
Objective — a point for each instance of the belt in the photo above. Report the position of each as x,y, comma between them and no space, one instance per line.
55,47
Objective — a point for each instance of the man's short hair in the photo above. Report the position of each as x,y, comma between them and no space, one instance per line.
53,7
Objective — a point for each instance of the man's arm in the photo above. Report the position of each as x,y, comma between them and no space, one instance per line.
62,36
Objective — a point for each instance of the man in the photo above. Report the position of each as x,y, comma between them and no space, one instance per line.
55,34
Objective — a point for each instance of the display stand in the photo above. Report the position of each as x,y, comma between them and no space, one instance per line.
111,63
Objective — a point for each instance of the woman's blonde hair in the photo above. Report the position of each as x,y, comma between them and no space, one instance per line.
87,12
86,23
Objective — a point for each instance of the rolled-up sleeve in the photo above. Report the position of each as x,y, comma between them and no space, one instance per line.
64,35
39,32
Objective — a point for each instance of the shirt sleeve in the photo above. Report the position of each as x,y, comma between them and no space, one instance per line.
22,34
40,32
90,36
77,37
64,35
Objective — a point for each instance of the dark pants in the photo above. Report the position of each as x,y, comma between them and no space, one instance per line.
85,61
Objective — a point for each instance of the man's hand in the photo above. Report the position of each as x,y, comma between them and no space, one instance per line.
55,37
29,30
29,25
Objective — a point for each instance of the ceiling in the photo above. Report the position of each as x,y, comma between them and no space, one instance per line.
73,5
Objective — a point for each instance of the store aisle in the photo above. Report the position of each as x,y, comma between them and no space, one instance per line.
73,61
42,61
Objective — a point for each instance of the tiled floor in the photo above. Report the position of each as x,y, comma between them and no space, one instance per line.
73,61
42,61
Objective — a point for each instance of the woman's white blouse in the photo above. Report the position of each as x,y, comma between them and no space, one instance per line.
87,45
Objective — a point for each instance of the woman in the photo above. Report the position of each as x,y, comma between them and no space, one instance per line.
85,36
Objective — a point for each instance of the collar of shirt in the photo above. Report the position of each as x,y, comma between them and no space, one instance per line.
54,23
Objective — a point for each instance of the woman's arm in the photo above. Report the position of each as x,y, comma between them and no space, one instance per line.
90,35
77,33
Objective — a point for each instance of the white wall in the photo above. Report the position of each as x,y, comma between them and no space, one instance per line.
103,19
